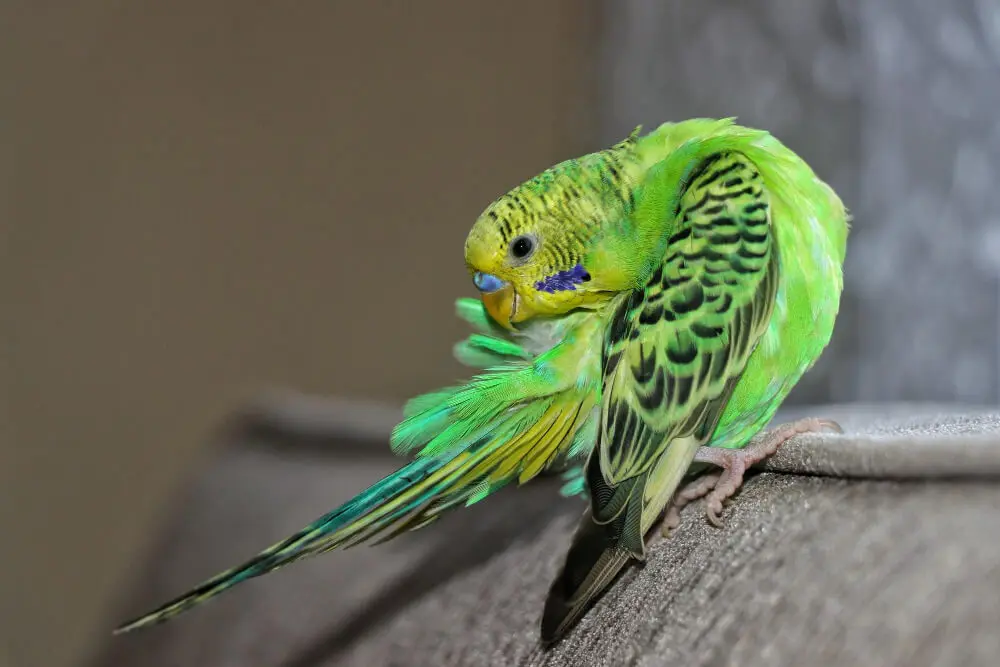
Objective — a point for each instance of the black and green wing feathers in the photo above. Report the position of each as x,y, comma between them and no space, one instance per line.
673,352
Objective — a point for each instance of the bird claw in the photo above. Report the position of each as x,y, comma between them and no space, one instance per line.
670,521
829,425
693,491
713,512
735,462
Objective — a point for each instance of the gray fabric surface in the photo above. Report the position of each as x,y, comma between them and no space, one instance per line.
807,570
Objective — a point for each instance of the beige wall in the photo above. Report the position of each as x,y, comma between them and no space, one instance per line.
206,198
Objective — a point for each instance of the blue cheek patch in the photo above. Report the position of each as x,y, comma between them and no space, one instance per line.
486,282
564,280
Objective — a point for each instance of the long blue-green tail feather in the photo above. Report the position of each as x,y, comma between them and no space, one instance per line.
298,545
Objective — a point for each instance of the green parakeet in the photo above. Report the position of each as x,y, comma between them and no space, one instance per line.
644,311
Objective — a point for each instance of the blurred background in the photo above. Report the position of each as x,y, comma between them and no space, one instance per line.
204,200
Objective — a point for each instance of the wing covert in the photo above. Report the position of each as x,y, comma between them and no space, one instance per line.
676,346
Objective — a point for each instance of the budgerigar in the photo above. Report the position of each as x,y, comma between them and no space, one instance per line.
644,311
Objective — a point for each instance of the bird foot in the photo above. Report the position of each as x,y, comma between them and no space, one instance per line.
691,492
717,488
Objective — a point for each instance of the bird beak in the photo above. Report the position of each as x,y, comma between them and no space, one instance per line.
498,296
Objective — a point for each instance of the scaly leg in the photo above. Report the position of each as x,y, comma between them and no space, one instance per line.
734,462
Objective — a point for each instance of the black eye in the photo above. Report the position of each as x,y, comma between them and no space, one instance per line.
522,246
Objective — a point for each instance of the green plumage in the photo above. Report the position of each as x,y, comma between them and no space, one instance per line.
675,288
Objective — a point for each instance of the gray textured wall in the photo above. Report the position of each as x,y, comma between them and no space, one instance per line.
894,102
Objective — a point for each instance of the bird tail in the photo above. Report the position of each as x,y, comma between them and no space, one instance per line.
611,534
597,554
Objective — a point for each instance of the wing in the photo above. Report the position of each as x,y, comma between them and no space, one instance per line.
529,413
673,353
676,345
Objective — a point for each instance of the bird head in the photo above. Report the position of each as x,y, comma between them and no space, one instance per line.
530,252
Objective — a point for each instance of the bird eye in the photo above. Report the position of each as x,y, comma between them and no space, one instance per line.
522,246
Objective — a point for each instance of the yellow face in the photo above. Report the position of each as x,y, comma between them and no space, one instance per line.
498,273
527,256
557,242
